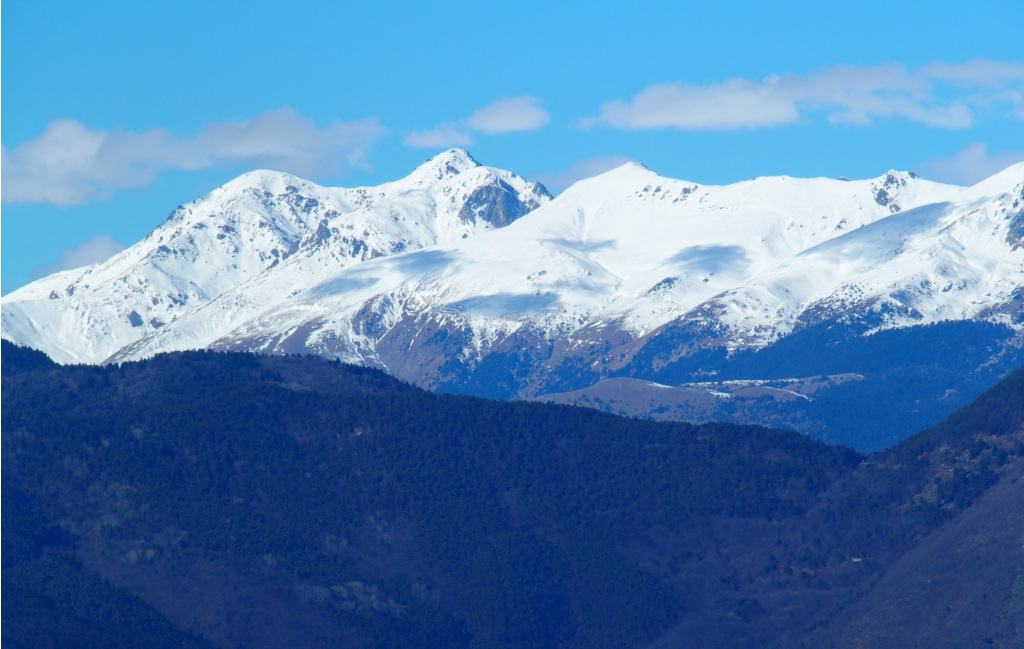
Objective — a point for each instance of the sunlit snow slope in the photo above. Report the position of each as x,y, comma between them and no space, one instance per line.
463,271
250,245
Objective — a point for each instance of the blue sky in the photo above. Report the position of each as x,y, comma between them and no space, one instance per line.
116,112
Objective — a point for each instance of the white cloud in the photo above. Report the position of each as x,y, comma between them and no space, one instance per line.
91,251
508,115
942,95
443,137
977,72
969,165
557,181
70,163
733,104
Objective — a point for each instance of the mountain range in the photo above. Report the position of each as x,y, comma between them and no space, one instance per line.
793,302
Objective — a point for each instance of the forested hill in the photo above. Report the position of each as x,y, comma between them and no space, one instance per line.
230,500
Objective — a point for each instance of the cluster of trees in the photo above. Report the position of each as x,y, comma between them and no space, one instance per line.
474,522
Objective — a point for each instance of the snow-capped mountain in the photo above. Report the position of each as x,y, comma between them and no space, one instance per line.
252,244
956,255
467,278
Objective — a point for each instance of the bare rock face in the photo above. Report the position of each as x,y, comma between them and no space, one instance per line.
499,204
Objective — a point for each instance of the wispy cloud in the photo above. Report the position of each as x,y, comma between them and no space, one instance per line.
557,181
976,72
70,163
969,165
444,136
943,95
508,115
91,251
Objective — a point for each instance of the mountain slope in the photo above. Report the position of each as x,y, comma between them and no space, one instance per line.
270,501
963,584
595,257
629,257
251,244
827,380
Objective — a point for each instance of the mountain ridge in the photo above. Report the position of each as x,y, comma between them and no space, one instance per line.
466,278
261,220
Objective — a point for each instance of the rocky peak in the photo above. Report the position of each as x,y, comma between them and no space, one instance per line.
887,188
444,165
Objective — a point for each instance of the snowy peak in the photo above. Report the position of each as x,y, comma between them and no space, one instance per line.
282,204
274,263
261,180
469,193
444,165
630,170
890,188
250,244
626,177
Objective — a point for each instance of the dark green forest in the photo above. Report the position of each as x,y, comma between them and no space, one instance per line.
200,499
